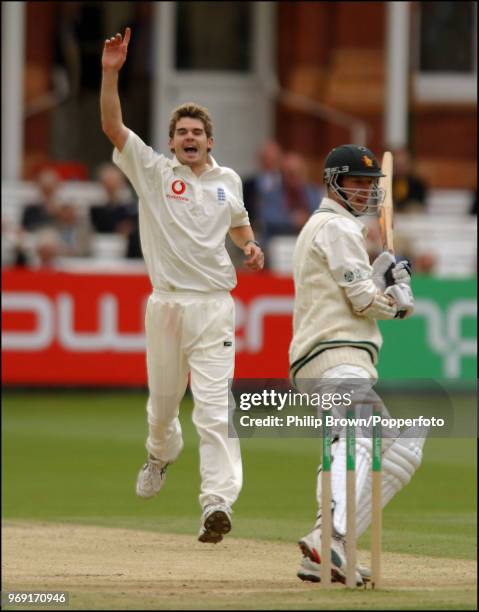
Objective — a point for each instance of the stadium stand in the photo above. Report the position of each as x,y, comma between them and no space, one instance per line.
446,230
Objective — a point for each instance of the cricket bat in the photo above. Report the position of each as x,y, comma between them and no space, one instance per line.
386,209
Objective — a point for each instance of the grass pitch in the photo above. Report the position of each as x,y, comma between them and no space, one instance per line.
73,458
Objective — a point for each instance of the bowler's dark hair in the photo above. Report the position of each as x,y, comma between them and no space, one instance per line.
195,111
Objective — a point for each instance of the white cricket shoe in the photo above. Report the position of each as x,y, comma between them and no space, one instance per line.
310,546
216,521
151,478
310,571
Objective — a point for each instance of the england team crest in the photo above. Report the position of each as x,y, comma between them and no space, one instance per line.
221,194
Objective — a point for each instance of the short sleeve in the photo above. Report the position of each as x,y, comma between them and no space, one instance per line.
239,214
140,163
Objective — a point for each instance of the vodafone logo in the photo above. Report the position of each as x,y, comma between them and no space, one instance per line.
178,187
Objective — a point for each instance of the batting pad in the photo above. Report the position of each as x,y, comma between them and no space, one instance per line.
399,463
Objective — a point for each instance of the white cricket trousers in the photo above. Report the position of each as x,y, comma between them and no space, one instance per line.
401,456
310,372
193,333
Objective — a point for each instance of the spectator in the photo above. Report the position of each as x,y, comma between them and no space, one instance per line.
424,263
284,209
113,213
73,230
409,190
262,185
42,212
66,235
267,179
14,245
302,198
48,247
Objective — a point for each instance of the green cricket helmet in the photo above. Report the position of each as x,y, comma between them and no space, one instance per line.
353,160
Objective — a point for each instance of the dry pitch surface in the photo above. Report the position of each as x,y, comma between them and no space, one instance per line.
121,569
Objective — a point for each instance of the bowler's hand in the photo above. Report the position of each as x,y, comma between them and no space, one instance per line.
114,51
254,256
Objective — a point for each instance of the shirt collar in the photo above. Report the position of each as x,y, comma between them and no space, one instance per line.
337,208
175,163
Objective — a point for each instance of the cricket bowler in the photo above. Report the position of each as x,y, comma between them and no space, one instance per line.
339,297
187,206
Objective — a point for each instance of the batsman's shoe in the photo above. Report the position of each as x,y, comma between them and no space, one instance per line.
366,573
310,571
216,522
310,546
151,478
338,561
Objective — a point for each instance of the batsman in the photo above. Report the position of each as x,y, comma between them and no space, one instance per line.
339,297
187,206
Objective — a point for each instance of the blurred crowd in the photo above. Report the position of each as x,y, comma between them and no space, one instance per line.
279,198
51,226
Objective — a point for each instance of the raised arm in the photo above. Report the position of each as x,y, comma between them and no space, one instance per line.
113,58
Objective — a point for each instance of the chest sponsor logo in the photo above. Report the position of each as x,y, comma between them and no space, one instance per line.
178,188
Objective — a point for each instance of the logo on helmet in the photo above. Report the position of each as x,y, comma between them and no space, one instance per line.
367,161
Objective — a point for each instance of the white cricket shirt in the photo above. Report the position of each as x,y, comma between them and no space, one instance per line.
341,242
183,218
333,279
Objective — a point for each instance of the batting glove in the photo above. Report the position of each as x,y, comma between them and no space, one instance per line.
387,272
382,267
401,273
403,297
